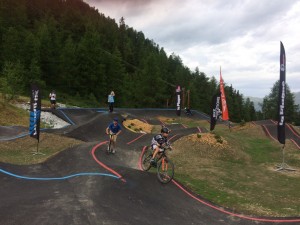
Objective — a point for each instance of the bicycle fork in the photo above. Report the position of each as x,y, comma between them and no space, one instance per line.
164,165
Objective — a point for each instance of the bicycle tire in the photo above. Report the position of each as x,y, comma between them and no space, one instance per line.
165,175
147,155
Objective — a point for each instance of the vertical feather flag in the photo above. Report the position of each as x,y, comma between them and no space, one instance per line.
35,112
178,101
281,97
215,110
223,99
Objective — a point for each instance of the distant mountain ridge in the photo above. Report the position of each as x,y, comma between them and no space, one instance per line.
297,98
258,101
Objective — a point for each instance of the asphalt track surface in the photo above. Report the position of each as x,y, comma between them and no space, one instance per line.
270,128
85,186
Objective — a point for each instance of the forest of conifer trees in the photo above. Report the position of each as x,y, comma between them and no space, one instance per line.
73,48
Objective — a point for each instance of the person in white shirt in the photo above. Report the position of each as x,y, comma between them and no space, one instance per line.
111,100
52,97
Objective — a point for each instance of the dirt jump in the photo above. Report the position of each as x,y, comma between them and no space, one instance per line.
85,186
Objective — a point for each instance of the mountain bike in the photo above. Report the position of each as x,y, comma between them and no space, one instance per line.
165,167
188,112
109,145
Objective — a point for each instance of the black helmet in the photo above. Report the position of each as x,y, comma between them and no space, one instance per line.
165,130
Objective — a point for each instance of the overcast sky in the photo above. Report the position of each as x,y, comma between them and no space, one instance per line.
241,36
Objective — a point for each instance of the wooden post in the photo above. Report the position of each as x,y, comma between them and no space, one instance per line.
183,98
188,97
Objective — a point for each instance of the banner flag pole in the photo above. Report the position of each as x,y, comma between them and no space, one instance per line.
225,114
281,108
35,115
215,111
178,101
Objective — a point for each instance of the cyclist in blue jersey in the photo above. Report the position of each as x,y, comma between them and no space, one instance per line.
114,129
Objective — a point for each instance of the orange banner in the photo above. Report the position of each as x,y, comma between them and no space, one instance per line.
223,99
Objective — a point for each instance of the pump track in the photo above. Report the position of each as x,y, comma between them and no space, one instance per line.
85,186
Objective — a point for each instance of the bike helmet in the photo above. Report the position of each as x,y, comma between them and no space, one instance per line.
165,130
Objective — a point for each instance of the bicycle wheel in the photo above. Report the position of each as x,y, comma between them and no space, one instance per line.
109,147
165,171
146,159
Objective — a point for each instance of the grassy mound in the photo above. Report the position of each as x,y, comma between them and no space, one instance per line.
240,173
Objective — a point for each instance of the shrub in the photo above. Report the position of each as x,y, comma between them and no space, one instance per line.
242,123
218,138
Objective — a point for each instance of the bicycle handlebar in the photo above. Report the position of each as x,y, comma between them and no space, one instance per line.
166,147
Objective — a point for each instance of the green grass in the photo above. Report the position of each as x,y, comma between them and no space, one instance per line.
11,115
20,151
245,180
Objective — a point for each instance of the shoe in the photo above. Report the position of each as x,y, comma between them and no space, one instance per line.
113,151
153,163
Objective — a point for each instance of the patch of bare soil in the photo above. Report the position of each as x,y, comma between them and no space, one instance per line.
166,119
206,144
138,126
246,126
285,171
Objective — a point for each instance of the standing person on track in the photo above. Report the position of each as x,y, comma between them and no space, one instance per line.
158,142
114,129
111,101
52,97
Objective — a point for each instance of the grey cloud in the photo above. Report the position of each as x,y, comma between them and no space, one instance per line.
210,33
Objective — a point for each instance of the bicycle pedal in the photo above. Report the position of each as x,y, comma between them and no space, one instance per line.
153,164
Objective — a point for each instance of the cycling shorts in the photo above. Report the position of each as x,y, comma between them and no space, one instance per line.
114,137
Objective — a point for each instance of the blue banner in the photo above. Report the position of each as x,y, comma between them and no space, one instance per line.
35,112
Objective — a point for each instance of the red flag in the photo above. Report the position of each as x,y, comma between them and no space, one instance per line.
223,99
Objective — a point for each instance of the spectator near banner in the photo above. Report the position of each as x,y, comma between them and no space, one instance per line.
52,98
